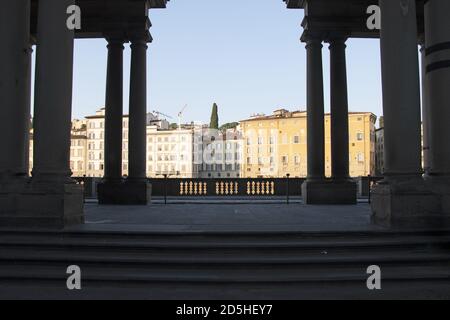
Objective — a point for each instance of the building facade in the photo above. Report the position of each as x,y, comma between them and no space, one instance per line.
218,154
276,145
170,152
262,146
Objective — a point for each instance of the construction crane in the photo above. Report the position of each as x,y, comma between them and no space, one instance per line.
180,114
161,114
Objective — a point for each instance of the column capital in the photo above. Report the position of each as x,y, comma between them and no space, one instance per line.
337,41
140,37
313,41
139,41
115,40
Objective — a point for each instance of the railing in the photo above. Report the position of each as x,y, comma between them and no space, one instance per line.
227,187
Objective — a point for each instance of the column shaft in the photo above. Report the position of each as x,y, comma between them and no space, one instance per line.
138,111
315,111
53,92
339,111
114,111
401,89
15,85
437,26
425,112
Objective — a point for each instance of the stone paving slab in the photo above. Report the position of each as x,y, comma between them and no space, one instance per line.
229,217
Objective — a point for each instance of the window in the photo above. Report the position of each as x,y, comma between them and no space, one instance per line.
296,139
360,157
297,160
359,136
284,160
260,140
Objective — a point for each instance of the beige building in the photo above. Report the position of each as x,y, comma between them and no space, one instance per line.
276,145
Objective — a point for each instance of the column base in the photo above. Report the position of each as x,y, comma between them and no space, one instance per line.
329,192
441,187
41,205
406,204
124,193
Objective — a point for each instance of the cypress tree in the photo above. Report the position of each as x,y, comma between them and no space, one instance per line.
214,124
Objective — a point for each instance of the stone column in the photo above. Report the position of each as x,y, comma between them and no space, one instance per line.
339,110
341,190
315,110
402,197
15,85
52,199
137,140
315,186
437,37
114,111
401,89
425,111
53,92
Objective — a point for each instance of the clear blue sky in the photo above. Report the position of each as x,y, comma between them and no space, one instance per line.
244,55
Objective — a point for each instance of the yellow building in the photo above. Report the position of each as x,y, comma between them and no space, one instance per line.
276,145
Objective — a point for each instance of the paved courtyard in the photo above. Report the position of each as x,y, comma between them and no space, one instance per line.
212,215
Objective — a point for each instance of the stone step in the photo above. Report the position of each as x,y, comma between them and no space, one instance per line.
247,262
214,256
239,274
216,240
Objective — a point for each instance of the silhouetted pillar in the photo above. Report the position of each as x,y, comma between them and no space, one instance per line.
437,29
137,140
15,84
114,111
135,190
53,92
339,110
402,199
315,110
401,89
425,111
437,38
